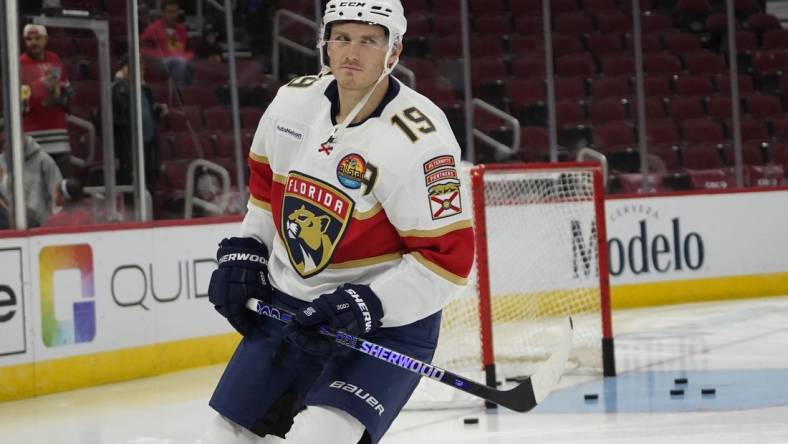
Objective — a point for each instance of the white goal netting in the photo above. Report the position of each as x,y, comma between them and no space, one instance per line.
541,263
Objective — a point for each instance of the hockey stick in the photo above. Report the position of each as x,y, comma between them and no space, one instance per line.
522,398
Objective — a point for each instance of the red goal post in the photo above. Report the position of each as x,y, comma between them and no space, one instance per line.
560,186
541,255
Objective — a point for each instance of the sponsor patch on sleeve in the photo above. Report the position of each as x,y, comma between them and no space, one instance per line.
443,187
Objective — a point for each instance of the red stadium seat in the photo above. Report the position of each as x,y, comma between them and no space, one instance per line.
779,128
526,7
599,5
204,71
534,143
705,63
761,22
601,44
701,131
610,87
528,66
668,154
752,130
529,24
719,107
702,158
482,8
218,118
182,119
572,88
746,41
693,86
576,65
572,23
448,25
716,178
187,145
566,44
250,117
561,6
486,46
612,136
763,106
521,44
524,91
493,25
614,22
446,47
655,108
609,110
485,70
657,86
662,133
618,65
569,112
649,42
661,64
722,82
199,95
653,22
680,43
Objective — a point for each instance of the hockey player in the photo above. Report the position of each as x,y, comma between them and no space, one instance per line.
356,195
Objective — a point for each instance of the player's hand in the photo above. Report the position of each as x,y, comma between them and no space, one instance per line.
242,274
353,309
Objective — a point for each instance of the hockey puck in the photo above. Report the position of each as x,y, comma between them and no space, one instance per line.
708,391
680,380
677,392
470,421
591,396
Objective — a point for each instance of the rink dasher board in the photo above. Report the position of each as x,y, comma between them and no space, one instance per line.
79,308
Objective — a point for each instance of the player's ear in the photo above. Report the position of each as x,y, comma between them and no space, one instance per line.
395,53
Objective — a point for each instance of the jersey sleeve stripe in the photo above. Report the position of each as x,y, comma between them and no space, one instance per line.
449,276
449,255
366,262
260,179
438,231
260,204
258,158
359,215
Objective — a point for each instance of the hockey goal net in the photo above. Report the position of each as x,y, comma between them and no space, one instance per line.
540,238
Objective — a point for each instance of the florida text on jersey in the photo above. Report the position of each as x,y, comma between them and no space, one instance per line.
382,206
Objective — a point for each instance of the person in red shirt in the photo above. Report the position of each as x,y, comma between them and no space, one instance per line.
166,40
45,93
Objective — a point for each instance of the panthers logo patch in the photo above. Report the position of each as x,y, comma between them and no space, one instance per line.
315,215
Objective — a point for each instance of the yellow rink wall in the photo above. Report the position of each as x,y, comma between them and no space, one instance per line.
140,291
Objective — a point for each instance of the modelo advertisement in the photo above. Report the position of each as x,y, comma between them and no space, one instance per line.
697,236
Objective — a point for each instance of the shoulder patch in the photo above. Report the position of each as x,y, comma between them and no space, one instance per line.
443,187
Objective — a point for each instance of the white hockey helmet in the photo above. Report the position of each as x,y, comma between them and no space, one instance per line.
386,13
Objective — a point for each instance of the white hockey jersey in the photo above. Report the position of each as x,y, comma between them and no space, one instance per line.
382,206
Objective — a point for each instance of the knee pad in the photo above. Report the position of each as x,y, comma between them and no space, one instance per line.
311,424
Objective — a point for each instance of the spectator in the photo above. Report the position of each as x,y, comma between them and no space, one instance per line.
45,94
166,40
69,210
209,48
151,115
40,178
5,207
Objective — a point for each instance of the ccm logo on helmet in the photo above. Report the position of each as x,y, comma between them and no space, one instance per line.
352,4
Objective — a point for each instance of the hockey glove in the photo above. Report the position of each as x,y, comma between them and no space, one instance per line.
353,309
242,274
